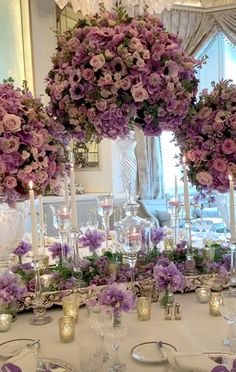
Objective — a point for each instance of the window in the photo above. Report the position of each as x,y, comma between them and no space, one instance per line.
221,63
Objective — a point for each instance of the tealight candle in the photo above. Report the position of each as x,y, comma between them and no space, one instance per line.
5,322
70,307
46,280
64,214
106,203
144,308
67,329
134,235
215,300
203,294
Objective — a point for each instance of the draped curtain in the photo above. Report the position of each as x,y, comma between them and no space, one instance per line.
194,28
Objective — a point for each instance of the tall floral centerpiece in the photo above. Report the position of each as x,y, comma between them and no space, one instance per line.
28,152
111,72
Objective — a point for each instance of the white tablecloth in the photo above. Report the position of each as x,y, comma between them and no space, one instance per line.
197,331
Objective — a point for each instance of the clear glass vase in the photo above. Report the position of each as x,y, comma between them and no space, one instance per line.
129,231
167,298
12,220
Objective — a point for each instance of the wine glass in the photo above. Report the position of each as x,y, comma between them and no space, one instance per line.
116,334
228,312
101,318
105,210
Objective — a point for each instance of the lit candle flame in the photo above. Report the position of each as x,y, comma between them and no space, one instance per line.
184,159
31,185
230,178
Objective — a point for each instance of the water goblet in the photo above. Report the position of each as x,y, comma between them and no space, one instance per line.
61,221
228,312
105,210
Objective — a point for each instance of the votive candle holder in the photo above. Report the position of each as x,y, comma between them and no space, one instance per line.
5,322
67,329
203,294
144,308
70,307
215,301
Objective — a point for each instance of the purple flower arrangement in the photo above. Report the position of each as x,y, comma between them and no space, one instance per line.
56,250
207,138
221,368
28,151
10,292
118,297
111,72
167,276
157,235
23,248
92,239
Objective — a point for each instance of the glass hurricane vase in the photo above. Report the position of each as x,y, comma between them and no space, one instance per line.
12,220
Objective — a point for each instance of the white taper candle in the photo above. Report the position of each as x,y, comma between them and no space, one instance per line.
33,220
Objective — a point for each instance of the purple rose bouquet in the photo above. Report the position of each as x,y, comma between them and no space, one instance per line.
28,150
92,239
111,72
10,292
118,297
207,138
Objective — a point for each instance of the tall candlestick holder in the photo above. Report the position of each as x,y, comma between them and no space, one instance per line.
77,272
190,264
232,283
175,207
105,210
39,308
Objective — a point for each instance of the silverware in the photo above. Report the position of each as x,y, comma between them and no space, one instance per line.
160,345
19,349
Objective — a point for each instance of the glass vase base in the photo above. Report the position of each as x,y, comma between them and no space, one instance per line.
35,320
117,367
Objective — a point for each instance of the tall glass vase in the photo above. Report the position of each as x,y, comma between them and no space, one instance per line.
129,230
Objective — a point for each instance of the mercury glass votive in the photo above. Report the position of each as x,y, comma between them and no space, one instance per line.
5,322
46,280
67,329
70,307
215,300
143,308
203,294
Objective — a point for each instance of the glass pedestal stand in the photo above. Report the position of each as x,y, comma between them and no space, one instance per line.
39,309
190,265
77,273
175,221
232,283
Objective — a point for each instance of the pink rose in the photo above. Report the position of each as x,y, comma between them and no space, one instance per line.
101,105
207,129
9,145
10,182
73,43
28,169
191,155
97,61
154,79
205,113
42,177
22,175
220,165
73,112
11,123
25,155
229,146
220,116
217,126
204,178
139,93
37,140
88,74
135,44
146,54
125,83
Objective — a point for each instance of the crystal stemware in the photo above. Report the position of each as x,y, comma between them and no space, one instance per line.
62,222
105,210
116,334
228,312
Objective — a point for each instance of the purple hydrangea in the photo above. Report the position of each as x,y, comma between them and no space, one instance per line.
10,289
23,248
56,250
168,277
92,239
118,297
157,235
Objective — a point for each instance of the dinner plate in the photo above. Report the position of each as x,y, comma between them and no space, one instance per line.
150,352
55,365
13,347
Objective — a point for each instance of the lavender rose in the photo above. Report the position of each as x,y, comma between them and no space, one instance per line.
11,123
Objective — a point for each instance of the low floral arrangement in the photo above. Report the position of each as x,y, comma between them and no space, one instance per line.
118,297
92,239
11,291
207,138
111,72
28,150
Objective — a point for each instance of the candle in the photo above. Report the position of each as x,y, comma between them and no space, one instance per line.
144,308
66,190
67,329
41,214
74,217
203,294
135,236
106,203
5,322
231,203
186,193
214,304
33,220
176,188
65,214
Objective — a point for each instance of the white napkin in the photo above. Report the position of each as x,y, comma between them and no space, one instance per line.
190,362
26,360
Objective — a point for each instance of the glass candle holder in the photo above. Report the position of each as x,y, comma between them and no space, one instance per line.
5,322
66,329
203,294
47,280
144,308
215,300
70,307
